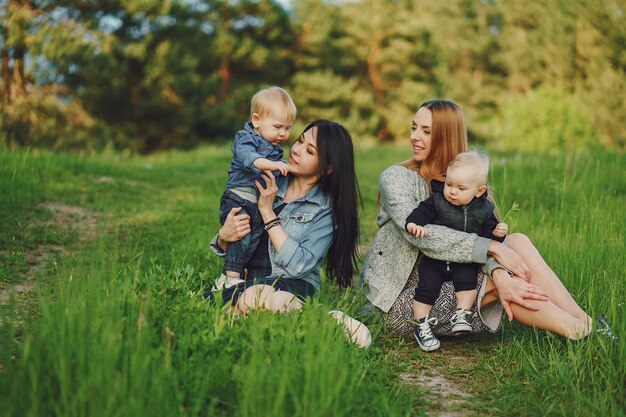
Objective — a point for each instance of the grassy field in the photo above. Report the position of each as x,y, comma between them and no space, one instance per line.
103,261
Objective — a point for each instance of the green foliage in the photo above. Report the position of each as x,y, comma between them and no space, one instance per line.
602,99
547,120
326,95
42,120
144,75
158,74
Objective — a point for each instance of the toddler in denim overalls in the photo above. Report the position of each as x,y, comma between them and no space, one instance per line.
256,148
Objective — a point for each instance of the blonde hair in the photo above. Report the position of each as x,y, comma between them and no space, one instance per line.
448,139
478,162
264,100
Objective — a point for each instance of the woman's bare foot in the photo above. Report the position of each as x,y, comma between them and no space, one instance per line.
355,330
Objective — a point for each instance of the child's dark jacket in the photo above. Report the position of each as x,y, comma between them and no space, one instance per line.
477,217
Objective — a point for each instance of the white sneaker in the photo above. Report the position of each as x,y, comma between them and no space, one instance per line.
459,320
224,282
355,330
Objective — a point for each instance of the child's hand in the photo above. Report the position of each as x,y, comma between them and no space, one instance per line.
280,166
415,230
500,230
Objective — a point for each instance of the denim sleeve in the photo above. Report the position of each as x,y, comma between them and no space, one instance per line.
245,150
215,248
298,257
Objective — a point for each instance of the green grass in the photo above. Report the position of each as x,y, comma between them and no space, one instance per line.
117,325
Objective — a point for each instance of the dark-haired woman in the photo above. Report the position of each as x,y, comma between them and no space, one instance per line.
307,214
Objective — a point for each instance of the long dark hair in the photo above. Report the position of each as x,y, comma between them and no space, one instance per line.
338,180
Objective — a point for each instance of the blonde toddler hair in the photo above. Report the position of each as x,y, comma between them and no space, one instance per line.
478,162
264,101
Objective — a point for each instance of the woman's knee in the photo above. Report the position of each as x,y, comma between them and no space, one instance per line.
518,240
254,297
282,302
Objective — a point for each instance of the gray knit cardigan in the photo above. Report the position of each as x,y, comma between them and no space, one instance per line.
394,251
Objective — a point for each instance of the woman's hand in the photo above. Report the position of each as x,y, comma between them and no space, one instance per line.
235,227
267,195
516,291
509,259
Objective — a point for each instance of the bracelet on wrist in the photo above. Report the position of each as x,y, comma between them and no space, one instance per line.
274,222
269,226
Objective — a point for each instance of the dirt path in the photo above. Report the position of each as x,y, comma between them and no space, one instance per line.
444,396
65,220
446,376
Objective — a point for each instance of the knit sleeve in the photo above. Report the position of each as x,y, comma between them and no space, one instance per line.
401,190
424,213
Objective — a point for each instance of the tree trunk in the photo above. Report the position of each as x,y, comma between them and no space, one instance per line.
374,75
14,75
18,71
224,75
6,77
21,79
377,83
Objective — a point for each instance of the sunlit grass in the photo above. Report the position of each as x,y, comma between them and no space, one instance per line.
117,324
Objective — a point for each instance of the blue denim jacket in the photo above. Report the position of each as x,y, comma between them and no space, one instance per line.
309,227
248,147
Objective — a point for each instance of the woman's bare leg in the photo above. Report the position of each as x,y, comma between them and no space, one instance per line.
549,316
283,302
266,297
560,314
552,318
491,294
355,330
543,277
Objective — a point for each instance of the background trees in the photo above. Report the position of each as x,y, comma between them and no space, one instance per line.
150,74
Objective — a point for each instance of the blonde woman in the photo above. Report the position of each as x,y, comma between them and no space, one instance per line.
532,294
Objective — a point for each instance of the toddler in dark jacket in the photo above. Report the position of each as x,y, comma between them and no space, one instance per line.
460,203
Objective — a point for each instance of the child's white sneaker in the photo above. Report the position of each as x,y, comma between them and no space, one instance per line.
459,320
224,282
355,330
